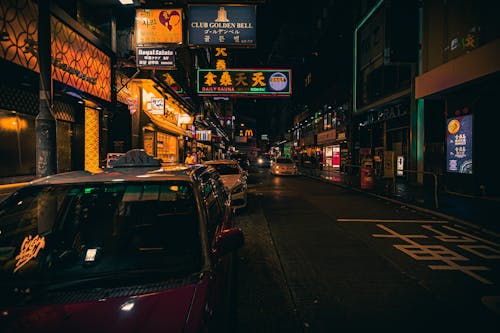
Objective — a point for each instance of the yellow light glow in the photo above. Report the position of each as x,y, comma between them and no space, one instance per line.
91,140
13,124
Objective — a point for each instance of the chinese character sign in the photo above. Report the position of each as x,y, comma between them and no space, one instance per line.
459,144
225,82
222,25
157,26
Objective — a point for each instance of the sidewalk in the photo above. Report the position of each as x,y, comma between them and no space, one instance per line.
477,212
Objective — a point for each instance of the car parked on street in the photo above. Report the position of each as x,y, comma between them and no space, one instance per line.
134,248
242,159
283,166
235,180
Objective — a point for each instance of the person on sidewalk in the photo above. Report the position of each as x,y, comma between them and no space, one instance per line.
189,159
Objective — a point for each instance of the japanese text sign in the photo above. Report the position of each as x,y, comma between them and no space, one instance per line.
158,26
222,25
272,82
459,144
159,57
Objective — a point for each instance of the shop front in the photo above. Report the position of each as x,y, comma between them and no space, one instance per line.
383,136
164,123
81,74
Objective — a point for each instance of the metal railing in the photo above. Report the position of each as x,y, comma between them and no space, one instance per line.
436,201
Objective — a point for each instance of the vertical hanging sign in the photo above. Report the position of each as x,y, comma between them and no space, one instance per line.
459,144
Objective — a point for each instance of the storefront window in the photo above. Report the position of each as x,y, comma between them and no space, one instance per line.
167,148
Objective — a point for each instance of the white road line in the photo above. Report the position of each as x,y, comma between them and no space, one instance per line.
390,221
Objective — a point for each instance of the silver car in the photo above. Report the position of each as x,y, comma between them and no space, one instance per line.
283,166
235,180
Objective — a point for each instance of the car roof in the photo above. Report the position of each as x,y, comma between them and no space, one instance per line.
212,162
127,174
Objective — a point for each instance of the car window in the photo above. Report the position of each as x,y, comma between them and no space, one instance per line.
214,203
64,232
227,169
284,160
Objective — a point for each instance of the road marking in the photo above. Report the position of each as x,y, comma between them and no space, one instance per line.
390,221
472,236
424,252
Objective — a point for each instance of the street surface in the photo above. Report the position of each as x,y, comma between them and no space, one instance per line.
321,258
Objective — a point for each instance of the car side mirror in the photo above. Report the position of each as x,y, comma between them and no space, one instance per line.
228,241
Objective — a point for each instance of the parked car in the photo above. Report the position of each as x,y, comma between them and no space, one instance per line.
133,248
235,180
283,166
242,159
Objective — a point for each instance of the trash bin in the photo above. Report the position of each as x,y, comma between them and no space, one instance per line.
367,178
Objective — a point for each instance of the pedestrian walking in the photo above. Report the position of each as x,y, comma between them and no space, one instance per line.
189,159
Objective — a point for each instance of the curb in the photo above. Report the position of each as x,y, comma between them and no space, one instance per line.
415,207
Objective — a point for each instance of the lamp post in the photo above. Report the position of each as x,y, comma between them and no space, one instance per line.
46,151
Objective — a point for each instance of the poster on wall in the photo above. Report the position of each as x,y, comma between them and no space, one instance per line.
459,144
336,157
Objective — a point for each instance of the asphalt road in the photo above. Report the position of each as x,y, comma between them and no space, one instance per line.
320,258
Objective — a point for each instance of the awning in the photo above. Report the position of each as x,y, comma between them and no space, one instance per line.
165,125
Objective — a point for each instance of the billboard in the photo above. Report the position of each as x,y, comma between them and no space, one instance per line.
158,57
459,144
244,82
158,26
233,25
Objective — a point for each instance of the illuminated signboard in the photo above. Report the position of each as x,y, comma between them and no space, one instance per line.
459,144
222,25
157,106
158,26
75,61
78,63
274,82
158,57
204,135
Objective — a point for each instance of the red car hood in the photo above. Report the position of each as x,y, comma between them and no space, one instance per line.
162,311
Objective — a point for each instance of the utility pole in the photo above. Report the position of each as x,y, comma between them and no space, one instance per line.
45,124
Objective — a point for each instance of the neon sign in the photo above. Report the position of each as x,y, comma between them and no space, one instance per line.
30,248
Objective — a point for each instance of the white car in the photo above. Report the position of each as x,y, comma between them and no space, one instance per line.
283,166
235,180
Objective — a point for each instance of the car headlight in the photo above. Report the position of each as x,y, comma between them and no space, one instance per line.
260,161
239,188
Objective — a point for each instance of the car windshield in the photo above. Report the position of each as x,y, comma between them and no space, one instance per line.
61,233
284,161
227,169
